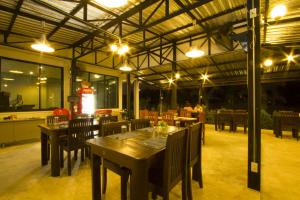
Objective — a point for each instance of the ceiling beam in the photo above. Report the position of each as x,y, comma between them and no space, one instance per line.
38,18
117,20
14,17
171,15
73,12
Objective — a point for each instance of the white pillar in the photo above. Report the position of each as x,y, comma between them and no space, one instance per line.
136,101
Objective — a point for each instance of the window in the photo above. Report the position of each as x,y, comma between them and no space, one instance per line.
105,88
29,86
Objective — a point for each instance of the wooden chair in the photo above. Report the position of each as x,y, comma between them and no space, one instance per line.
194,156
168,118
239,117
225,118
78,132
163,176
51,120
175,112
104,120
153,116
289,121
202,120
109,129
185,113
139,123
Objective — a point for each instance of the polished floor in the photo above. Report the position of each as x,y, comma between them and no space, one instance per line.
224,172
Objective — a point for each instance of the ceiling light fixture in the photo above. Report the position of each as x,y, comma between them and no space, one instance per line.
43,45
123,49
112,3
16,72
204,77
278,11
290,58
268,62
177,75
5,85
8,79
31,73
97,76
114,47
170,80
194,52
125,67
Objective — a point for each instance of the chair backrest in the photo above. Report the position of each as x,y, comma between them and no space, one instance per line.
113,128
173,111
51,119
104,120
202,117
79,131
139,123
168,118
185,113
194,143
175,159
153,116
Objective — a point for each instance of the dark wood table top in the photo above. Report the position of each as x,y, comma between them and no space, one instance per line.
140,144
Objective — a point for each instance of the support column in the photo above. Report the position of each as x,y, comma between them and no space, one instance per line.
174,84
128,91
136,93
253,82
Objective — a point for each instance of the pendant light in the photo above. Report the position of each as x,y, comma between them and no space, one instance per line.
194,51
125,67
42,45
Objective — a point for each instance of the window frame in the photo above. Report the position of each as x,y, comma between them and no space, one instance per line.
39,65
104,78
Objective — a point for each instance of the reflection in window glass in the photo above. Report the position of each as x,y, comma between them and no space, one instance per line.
106,90
29,86
19,80
50,83
82,76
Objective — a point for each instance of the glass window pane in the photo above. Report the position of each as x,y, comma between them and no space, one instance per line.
111,90
82,76
51,86
97,83
19,80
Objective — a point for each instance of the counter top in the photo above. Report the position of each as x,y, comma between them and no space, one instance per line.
21,119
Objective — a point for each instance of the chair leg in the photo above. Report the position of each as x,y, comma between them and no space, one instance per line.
82,154
69,163
48,151
75,154
200,176
104,180
61,157
189,185
124,180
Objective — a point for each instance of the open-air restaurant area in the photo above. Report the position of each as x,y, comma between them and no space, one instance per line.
149,99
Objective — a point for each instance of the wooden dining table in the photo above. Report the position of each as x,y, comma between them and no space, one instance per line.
54,133
137,150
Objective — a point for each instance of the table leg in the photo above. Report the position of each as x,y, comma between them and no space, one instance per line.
96,177
139,183
44,149
55,164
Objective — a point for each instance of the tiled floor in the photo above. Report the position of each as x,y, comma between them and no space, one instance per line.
224,172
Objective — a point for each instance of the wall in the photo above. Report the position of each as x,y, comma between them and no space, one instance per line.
14,53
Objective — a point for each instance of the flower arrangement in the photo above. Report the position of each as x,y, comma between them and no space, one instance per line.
162,124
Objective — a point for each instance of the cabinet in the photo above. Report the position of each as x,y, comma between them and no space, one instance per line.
12,131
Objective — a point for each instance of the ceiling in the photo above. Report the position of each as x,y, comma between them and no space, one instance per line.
159,32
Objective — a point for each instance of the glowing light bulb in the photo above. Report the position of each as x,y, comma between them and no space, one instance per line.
290,58
112,3
177,75
268,62
194,53
278,11
113,47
